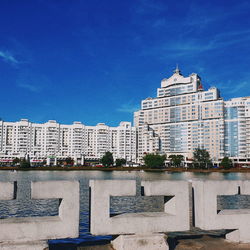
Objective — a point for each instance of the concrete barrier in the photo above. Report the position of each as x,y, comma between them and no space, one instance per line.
176,208
144,225
206,215
6,190
33,232
175,216
101,223
22,233
141,242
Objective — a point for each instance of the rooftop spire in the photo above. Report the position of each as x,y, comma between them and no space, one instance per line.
177,71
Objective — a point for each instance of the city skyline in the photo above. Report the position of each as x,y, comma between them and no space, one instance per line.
181,118
92,62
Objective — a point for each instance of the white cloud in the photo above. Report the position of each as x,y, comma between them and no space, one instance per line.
32,81
29,87
192,46
8,57
199,18
234,87
148,6
238,87
159,23
128,108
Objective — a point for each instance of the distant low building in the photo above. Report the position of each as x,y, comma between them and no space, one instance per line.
54,140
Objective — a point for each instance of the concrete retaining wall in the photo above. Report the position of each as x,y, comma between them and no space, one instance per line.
17,232
34,229
206,215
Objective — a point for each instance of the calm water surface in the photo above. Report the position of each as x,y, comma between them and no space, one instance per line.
24,206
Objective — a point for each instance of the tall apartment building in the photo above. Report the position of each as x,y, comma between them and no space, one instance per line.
184,117
51,139
237,128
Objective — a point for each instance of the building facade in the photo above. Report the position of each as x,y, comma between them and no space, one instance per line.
54,140
184,117
237,128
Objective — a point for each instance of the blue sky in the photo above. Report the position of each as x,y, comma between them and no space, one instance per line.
94,61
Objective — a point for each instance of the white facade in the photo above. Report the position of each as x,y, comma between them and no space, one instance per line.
51,139
237,128
182,117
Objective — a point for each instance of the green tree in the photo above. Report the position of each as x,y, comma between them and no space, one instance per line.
25,163
16,161
226,163
120,162
69,161
154,160
176,159
201,158
107,160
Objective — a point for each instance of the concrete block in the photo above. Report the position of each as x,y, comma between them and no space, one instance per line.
6,190
175,217
206,216
30,229
32,245
140,242
176,210
101,190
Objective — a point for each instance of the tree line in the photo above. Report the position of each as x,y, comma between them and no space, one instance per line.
201,159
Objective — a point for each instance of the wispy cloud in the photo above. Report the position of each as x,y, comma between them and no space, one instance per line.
233,87
30,87
193,46
8,57
199,18
159,23
148,6
238,87
230,38
128,108
32,81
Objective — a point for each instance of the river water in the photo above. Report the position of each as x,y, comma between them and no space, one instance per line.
23,206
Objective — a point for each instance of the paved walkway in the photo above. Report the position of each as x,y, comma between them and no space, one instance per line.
209,243
203,243
102,247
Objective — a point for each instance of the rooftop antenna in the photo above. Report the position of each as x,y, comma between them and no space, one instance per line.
177,70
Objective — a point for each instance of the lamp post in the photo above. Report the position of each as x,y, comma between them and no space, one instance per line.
82,159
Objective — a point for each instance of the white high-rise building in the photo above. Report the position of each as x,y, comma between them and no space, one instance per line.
237,128
54,140
184,117
181,118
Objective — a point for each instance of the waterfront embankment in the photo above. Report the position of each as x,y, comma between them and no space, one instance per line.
88,168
